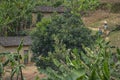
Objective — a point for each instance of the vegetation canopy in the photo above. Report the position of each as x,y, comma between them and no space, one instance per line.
69,29
15,15
98,64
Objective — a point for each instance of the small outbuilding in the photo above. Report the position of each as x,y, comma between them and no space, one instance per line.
10,44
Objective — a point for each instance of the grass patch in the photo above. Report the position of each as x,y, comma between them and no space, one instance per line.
115,38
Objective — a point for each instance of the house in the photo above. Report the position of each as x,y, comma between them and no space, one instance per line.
46,11
10,44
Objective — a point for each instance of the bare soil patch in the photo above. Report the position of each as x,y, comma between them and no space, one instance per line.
30,72
97,18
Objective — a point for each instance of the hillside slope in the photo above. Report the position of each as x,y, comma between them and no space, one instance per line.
97,18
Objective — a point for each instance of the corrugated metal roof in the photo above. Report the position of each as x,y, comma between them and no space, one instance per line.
15,41
49,9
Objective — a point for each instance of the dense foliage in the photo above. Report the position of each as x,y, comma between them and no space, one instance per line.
98,64
75,5
69,29
15,15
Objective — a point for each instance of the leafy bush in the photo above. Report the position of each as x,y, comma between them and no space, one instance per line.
23,33
68,28
115,8
97,64
116,28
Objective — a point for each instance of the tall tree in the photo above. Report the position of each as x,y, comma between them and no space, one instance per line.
68,28
13,12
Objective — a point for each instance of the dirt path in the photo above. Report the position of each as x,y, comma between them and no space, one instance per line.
94,29
30,72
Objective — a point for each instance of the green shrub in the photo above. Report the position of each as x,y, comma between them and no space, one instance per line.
115,8
105,6
68,28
